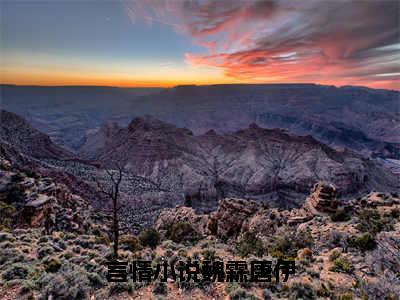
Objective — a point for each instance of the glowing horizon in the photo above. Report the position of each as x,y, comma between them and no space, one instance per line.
169,43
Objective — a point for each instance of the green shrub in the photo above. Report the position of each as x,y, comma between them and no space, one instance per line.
160,288
96,281
120,287
67,254
70,236
250,244
187,285
4,228
334,255
182,232
336,239
342,265
76,249
102,240
322,291
52,265
363,242
340,215
27,287
346,297
44,239
45,251
61,245
16,271
129,243
241,294
371,221
10,256
209,255
7,212
213,226
287,244
85,242
70,282
149,238
301,291
5,236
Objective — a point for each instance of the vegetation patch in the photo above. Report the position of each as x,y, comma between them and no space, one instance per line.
149,238
183,232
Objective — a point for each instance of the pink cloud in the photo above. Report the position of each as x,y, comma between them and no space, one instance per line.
335,42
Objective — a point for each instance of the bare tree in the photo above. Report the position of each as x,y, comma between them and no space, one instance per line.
112,191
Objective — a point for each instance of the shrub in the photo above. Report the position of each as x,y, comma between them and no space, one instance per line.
160,288
43,239
16,271
342,265
363,242
76,249
209,255
52,265
306,255
10,255
182,232
336,239
96,281
67,254
241,294
102,240
340,215
129,243
61,245
187,285
395,213
170,245
371,221
27,287
301,290
70,282
334,255
288,243
213,226
250,244
4,228
346,297
70,236
6,237
7,212
120,287
85,242
323,291
45,251
149,238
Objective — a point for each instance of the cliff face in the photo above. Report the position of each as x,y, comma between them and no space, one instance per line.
18,133
256,163
361,119
29,200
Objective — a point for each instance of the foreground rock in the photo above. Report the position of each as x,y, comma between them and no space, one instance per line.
181,214
29,200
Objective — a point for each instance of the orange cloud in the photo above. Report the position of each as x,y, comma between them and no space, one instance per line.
334,42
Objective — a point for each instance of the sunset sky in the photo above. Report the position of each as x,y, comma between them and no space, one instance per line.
166,43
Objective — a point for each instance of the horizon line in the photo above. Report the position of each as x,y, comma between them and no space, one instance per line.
196,85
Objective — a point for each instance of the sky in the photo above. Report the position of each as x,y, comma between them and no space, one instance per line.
167,43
